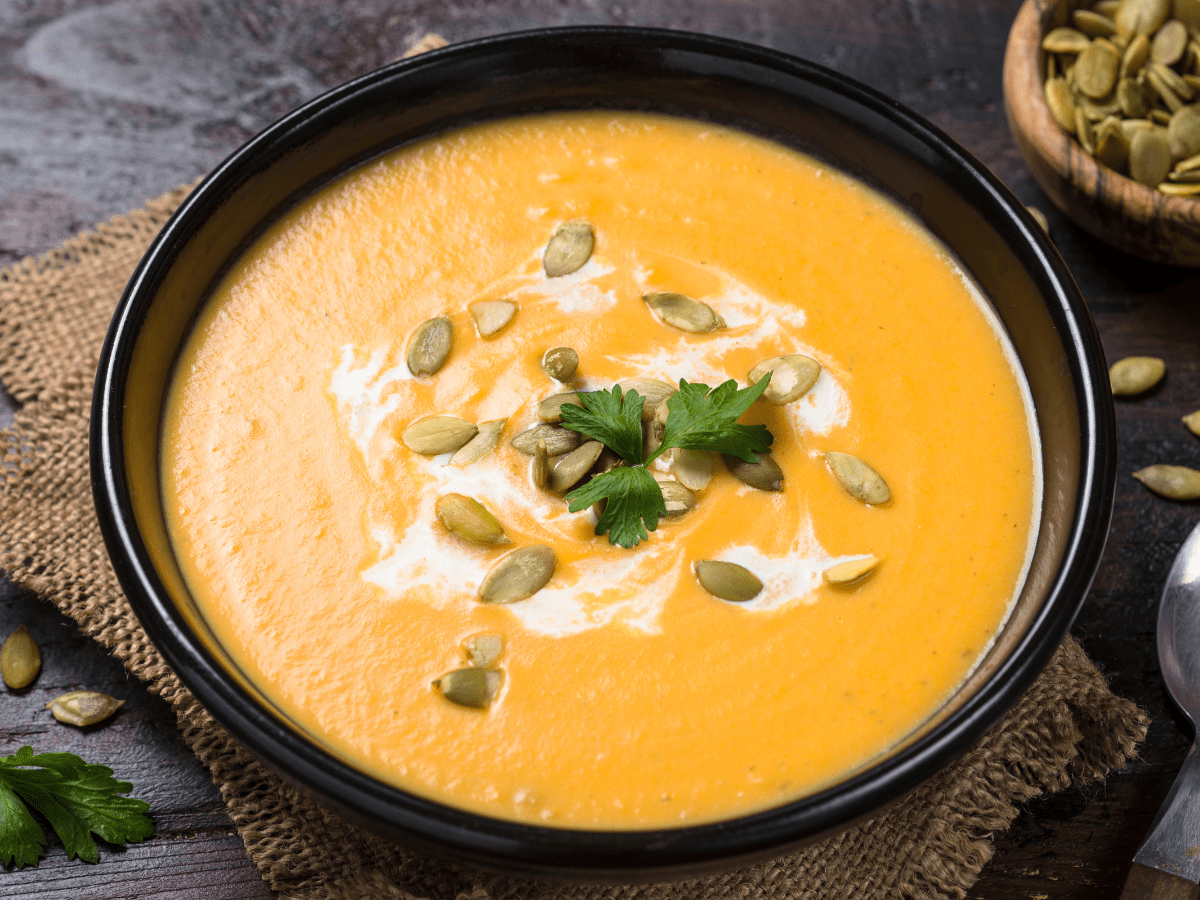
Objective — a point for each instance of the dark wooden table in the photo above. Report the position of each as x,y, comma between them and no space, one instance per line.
104,105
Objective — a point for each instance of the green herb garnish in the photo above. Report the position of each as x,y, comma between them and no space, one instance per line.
76,798
699,418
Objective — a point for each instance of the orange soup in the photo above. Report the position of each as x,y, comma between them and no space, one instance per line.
621,693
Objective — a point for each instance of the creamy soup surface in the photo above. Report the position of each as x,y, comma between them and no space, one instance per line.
631,697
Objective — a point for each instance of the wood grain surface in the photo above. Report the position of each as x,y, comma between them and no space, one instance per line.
104,105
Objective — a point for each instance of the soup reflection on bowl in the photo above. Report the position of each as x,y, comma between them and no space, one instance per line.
337,481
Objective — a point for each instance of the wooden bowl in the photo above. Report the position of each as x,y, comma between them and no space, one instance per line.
1116,209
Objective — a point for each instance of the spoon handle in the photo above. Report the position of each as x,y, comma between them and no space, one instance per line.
1167,866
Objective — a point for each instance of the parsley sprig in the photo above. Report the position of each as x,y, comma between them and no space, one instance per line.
78,799
699,418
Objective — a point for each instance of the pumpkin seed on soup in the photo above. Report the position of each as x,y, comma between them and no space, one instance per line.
483,649
692,468
472,687
572,467
727,581
653,392
569,248
469,519
429,346
492,315
519,574
792,376
558,440
683,312
20,659
540,467
1135,374
560,363
677,498
765,475
83,708
851,571
438,434
1172,482
860,481
550,409
484,442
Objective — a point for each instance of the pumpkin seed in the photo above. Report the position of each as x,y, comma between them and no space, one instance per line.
1135,375
1141,16
1065,40
20,659
484,442
574,466
558,440
1180,190
727,581
652,390
1162,92
560,363
492,315
851,571
1173,80
1192,421
1170,43
429,346
1084,131
469,519
1096,110
860,480
1149,158
550,409
1172,482
1097,69
1061,103
1130,127
1183,133
438,434
1119,41
1106,7
1135,56
764,474
569,248
678,499
792,376
83,708
1112,147
607,461
472,687
1093,24
540,467
519,574
652,437
1132,98
1187,165
692,468
1193,81
683,312
1192,176
483,649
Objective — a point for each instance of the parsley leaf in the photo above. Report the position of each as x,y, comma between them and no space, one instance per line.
699,418
633,497
614,421
76,798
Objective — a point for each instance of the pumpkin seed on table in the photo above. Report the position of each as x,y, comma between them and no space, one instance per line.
492,315
765,475
569,249
486,438
560,363
1149,158
574,466
429,346
861,481
540,467
683,312
550,409
653,392
678,499
692,468
1192,421
438,434
469,519
558,440
1172,482
472,687
792,376
519,574
20,659
83,708
727,581
851,571
483,649
1135,375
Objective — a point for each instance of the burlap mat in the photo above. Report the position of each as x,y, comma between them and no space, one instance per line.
53,315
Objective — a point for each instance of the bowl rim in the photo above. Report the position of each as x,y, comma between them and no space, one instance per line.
576,853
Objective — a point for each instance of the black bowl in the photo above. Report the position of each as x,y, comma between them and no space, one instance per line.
758,90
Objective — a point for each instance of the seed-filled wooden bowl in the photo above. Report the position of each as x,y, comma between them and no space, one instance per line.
1106,200
584,89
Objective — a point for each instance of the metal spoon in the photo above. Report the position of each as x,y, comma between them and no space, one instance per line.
1168,863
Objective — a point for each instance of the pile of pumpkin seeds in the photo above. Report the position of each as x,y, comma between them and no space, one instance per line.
562,458
1123,78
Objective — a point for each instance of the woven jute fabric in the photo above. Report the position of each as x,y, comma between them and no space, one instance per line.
53,314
